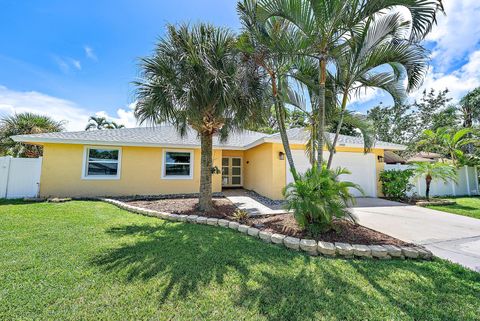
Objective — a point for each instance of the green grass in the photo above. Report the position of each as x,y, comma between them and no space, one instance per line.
466,206
90,260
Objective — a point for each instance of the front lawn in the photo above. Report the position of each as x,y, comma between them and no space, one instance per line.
466,206
90,260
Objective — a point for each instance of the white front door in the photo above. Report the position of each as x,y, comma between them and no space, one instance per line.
232,172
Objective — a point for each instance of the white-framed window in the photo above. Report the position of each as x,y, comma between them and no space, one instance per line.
177,164
101,162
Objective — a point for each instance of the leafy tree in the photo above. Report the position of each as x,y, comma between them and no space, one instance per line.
431,171
25,124
430,108
470,108
318,196
394,124
197,78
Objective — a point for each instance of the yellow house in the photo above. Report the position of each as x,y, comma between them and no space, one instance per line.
154,161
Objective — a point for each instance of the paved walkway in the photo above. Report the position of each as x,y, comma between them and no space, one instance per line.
253,205
449,236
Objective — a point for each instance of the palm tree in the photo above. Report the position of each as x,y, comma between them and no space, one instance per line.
431,171
114,125
197,78
25,124
378,55
270,44
327,24
97,122
446,142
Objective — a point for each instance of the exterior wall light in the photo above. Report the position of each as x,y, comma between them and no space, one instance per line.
281,155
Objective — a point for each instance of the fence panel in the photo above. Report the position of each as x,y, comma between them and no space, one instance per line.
467,182
19,177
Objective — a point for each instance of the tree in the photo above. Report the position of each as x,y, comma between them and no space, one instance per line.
394,124
97,122
25,124
446,142
470,108
326,24
430,109
270,44
378,55
431,171
196,78
101,123
114,125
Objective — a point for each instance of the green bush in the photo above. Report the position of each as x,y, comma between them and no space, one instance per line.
395,183
317,197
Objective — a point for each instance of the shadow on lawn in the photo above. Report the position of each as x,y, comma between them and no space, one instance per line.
281,284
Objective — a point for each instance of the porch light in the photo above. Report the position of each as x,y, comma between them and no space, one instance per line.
281,155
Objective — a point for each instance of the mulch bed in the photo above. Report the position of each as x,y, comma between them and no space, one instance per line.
345,231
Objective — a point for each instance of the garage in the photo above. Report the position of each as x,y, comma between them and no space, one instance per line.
362,168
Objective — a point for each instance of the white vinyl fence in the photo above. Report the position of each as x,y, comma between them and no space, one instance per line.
467,183
19,177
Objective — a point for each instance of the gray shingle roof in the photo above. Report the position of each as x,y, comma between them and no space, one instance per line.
148,136
301,135
168,136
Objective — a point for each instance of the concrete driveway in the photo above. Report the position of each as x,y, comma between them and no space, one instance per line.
449,236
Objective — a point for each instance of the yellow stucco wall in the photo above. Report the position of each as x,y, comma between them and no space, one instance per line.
140,173
263,171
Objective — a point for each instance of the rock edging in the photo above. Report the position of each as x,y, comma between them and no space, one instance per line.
308,246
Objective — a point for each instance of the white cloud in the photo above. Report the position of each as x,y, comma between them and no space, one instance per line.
76,64
76,117
458,82
457,33
66,64
123,117
90,53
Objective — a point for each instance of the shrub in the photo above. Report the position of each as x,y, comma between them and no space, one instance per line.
240,216
396,183
317,197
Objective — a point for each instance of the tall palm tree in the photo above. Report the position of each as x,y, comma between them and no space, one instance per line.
431,171
24,124
97,122
378,55
197,78
271,45
327,24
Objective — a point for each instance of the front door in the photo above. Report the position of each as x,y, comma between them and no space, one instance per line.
232,172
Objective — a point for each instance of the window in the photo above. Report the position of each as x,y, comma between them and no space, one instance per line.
177,165
102,163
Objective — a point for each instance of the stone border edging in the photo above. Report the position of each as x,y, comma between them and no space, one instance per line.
311,247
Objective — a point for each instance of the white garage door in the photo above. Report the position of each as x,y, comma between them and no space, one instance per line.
362,167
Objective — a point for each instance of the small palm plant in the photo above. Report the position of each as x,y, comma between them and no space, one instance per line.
318,196
431,171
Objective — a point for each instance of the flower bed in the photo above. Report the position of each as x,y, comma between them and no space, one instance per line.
311,247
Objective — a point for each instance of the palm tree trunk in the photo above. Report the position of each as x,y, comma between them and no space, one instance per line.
337,132
428,180
206,164
280,114
321,112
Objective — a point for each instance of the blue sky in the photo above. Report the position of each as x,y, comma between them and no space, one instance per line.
72,59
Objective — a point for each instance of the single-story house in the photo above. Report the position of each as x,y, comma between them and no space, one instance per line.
153,161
